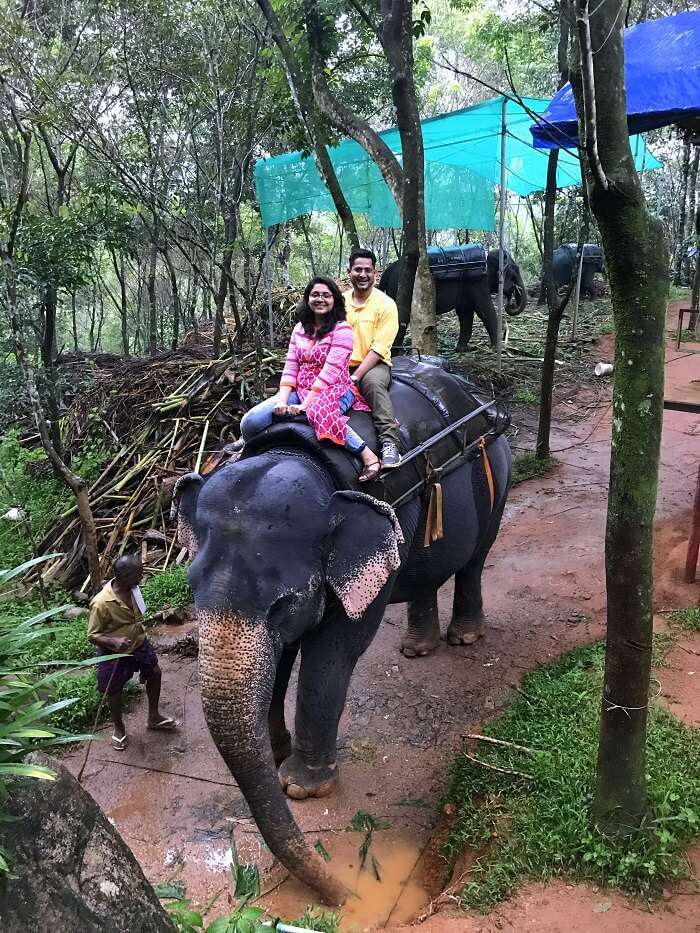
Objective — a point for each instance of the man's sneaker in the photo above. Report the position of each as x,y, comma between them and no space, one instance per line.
391,457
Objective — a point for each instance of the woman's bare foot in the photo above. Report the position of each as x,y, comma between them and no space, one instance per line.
372,465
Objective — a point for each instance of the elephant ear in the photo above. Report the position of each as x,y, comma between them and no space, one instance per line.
364,549
183,509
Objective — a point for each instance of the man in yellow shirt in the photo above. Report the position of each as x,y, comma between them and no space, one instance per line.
374,319
115,627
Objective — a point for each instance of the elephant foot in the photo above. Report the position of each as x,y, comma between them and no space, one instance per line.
281,747
417,644
461,348
300,780
465,633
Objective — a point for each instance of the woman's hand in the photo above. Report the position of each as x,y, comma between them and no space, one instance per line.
280,409
296,410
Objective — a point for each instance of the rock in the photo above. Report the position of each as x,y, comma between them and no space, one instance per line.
75,612
169,616
80,599
15,515
74,871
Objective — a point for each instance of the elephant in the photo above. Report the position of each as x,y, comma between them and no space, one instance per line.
284,562
467,294
564,266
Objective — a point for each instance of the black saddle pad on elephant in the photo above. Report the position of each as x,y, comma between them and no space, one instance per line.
426,399
463,263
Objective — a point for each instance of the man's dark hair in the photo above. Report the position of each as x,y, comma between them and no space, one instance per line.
337,313
127,564
361,254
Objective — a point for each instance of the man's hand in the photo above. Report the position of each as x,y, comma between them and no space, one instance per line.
120,644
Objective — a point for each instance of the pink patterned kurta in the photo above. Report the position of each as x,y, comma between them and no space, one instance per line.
321,367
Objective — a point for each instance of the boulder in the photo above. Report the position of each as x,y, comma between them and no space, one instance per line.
73,870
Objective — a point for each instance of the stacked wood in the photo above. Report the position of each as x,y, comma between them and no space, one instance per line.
161,417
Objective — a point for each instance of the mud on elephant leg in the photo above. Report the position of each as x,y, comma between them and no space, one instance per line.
423,632
280,738
328,658
467,624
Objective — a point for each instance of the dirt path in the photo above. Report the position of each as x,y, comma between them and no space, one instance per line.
175,803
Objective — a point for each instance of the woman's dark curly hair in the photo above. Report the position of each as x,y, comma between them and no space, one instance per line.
305,315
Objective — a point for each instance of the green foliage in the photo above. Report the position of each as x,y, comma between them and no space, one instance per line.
364,822
526,395
168,589
30,700
528,465
546,805
686,618
314,918
247,881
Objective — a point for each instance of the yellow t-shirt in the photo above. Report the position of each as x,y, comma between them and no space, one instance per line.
110,616
374,324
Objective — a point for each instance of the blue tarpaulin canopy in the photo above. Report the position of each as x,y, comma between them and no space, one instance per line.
662,77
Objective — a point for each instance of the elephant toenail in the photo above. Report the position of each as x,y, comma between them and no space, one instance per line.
296,792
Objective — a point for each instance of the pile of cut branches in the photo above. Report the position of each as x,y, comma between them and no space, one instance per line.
159,418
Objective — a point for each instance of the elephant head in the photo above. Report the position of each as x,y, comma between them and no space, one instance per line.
274,545
514,289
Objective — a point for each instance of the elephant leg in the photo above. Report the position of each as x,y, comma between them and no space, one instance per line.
280,738
328,658
423,632
467,624
466,324
484,308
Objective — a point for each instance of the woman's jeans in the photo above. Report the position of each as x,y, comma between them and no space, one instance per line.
260,417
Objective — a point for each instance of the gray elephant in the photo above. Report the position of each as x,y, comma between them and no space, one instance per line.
287,562
465,278
565,266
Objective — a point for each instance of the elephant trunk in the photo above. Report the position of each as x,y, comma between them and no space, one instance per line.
520,293
237,672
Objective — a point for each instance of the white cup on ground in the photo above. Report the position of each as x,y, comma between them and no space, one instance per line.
603,369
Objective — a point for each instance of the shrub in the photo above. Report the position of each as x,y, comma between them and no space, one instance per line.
167,589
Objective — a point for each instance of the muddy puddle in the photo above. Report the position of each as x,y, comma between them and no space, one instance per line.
385,891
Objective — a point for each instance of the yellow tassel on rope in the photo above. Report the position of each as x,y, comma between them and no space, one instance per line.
434,529
489,473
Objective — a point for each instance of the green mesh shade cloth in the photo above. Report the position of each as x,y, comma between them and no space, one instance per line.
462,170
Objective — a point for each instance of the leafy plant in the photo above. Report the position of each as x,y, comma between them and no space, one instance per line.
528,465
364,822
29,701
525,394
168,589
686,618
545,788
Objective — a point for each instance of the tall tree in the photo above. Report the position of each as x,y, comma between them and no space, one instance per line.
637,264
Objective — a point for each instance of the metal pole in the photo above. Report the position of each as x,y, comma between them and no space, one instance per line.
501,231
577,293
268,281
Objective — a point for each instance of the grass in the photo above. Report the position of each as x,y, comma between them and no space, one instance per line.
528,465
539,827
168,589
526,395
686,618
689,336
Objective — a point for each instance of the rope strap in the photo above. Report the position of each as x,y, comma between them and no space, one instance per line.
488,471
434,530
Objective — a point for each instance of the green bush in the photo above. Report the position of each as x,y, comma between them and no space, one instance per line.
539,819
167,589
528,465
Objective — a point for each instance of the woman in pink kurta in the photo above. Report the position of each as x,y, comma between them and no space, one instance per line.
316,380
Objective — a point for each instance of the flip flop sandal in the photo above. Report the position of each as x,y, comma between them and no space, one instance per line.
371,471
166,724
119,744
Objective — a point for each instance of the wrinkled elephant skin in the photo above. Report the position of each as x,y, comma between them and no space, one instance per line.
284,565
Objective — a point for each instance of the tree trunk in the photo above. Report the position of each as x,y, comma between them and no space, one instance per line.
120,272
74,319
285,254
555,308
554,311
303,98
74,482
175,293
683,198
397,41
637,266
152,301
